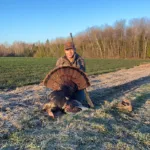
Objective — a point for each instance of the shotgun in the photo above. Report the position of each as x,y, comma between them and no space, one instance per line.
85,91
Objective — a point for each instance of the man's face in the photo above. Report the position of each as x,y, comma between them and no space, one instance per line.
69,53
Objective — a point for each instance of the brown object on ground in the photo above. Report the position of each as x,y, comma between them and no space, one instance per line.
125,105
66,75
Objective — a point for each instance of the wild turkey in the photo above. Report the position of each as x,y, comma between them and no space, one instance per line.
64,81
66,75
59,103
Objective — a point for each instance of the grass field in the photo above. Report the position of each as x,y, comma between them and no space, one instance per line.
16,72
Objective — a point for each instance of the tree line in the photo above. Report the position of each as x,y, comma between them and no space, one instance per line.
120,40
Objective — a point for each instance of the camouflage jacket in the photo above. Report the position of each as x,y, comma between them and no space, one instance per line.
78,62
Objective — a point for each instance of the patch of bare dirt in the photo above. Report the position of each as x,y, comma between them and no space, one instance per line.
119,77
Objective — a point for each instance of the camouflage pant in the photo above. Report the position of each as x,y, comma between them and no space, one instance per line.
80,96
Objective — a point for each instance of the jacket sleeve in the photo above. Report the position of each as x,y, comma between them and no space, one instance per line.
82,64
59,62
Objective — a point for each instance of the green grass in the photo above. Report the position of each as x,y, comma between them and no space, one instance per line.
16,72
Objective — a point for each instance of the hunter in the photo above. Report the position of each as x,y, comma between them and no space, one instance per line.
71,58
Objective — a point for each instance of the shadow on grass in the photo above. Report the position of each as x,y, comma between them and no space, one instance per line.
140,100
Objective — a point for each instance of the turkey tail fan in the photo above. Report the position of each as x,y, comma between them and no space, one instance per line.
66,75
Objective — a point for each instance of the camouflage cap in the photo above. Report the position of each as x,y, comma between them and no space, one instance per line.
69,45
